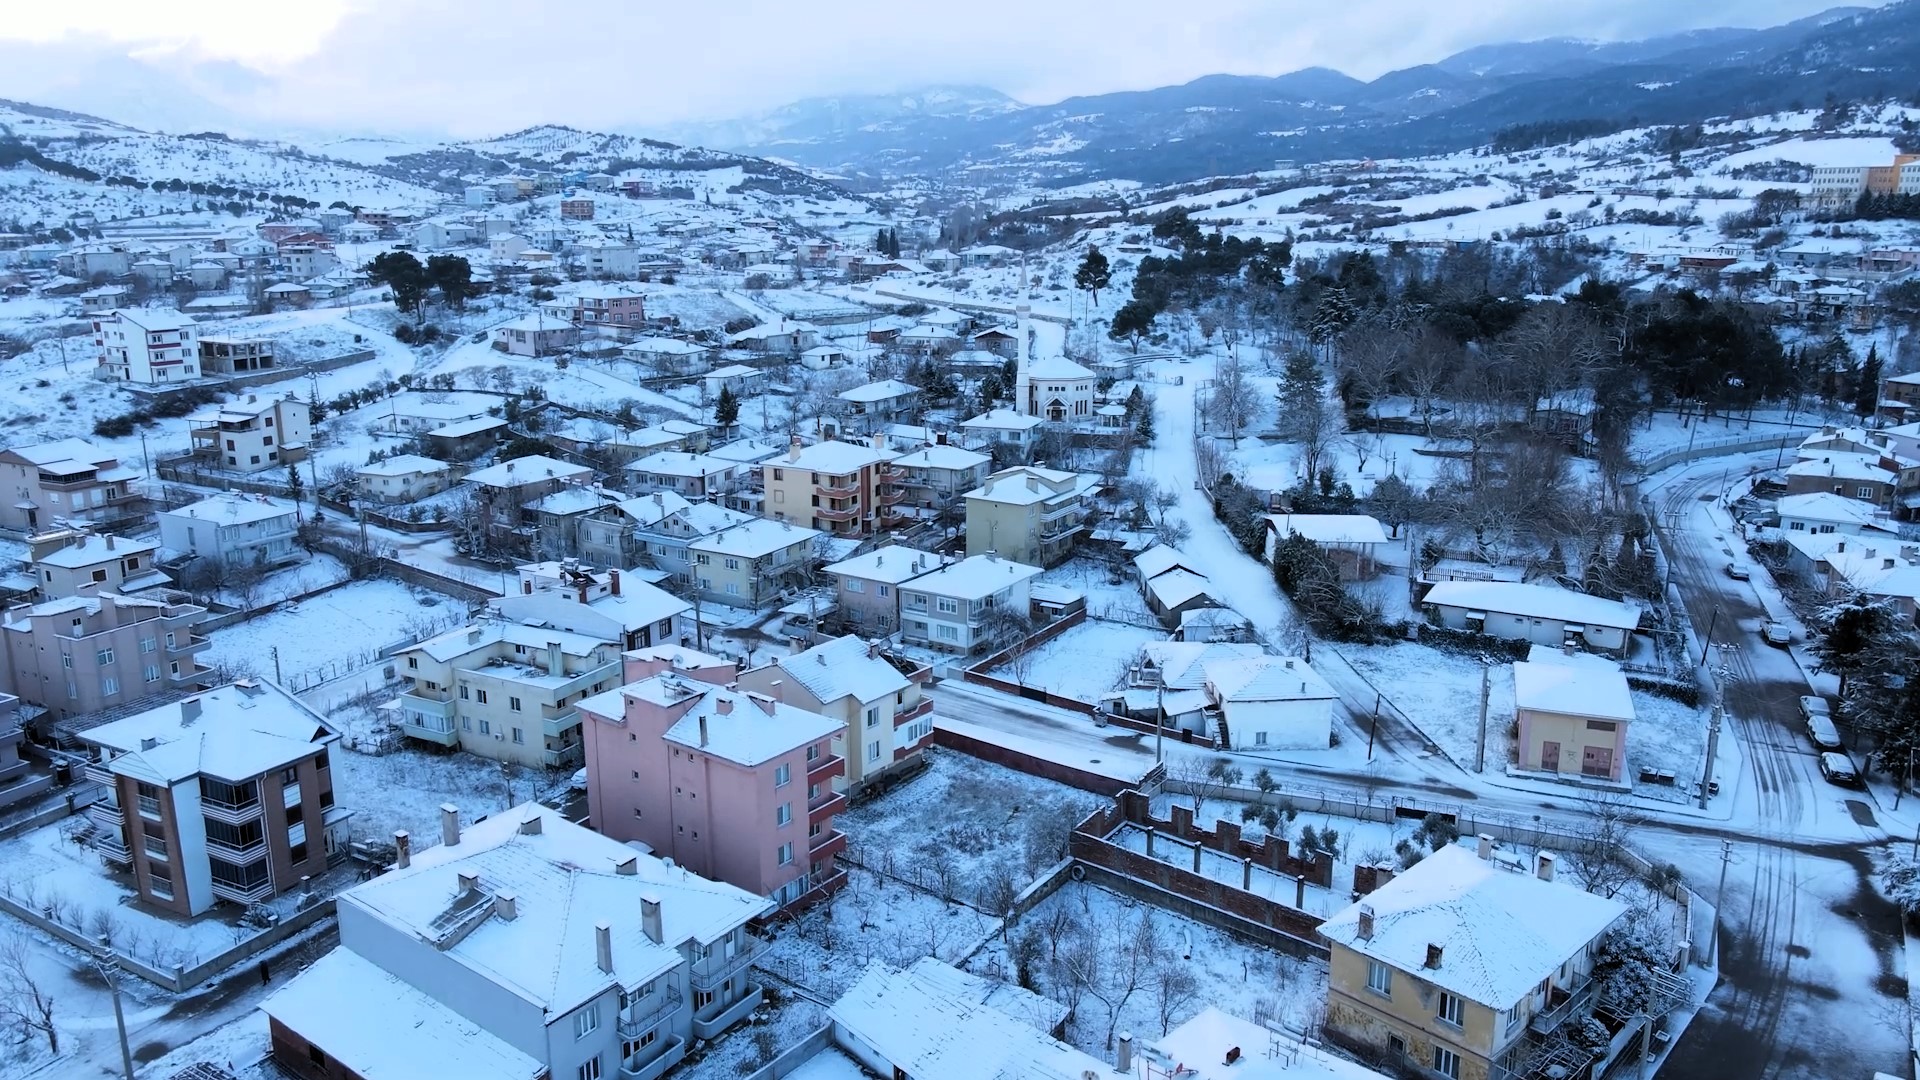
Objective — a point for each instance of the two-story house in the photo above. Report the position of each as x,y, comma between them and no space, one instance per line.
81,654
524,947
1459,963
690,476
1008,432
68,480
938,477
843,488
504,690
223,796
403,478
967,606
731,784
88,565
1029,514
147,345
877,696
749,564
662,531
867,587
252,435
874,405
504,490
255,530
608,306
568,596
227,355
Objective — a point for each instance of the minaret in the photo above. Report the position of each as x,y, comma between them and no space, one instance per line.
1022,390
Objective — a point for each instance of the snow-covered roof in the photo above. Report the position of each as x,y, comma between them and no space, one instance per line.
1182,664
1058,368
1002,420
1177,586
1572,689
924,332
1212,616
653,509
1330,528
975,577
744,451
843,667
682,463
564,879
1266,678
527,470
1501,932
1825,506
463,428
664,346
234,732
824,351
1025,484
939,456
832,456
153,320
403,465
884,390
1157,560
1200,1047
754,538
63,451
938,1027
1533,601
735,371
382,1028
892,564
1877,570
767,330
736,725
1842,465
569,501
464,640
89,550
231,508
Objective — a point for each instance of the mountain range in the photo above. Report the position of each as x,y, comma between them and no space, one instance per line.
1226,124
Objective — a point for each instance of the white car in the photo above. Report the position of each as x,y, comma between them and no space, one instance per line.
579,781
1777,635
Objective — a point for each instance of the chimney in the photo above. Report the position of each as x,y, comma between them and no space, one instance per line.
189,710
583,592
506,906
725,707
1433,956
1123,1063
1366,922
555,665
1486,846
613,581
793,449
1543,866
531,826
149,743
650,918
766,703
109,541
449,824
402,849
469,880
603,946
473,635
1886,564
628,866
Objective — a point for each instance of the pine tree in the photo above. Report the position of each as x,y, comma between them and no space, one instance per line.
1866,395
726,409
1143,428
1094,273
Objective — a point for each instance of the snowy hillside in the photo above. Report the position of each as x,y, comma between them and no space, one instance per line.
266,167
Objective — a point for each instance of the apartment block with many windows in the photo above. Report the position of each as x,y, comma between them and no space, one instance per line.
731,784
66,481
967,607
843,488
81,654
877,695
223,796
505,691
1029,514
148,345
523,947
867,587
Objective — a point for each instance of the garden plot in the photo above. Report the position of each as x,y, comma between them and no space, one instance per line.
871,918
1084,663
780,1024
1123,965
1119,601
404,789
334,633
1440,693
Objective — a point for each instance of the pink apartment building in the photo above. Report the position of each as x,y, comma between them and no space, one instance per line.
732,785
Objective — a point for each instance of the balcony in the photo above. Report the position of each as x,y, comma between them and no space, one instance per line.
554,727
186,675
831,765
825,840
907,716
828,513
848,490
567,757
227,849
429,728
716,969
1563,1005
107,815
230,813
194,643
891,495
243,894
825,806
100,773
646,1014
727,1017
113,849
655,1060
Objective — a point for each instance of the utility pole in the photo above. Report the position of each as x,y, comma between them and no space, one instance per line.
275,653
1713,748
1719,899
1705,642
1480,758
1160,726
108,967
1374,727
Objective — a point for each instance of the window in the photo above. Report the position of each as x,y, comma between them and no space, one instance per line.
105,656
873,716
854,585
1514,1016
786,853
317,1056
1259,738
466,723
154,844
1396,1046
513,703
947,605
66,660
109,686
1796,526
813,752
480,696
633,1046
1379,978
298,853
518,737
465,694
1863,492
873,751
590,1069
1446,1063
782,775
1601,725
486,727
586,1021
160,881
152,673
783,814
147,644
290,775
1451,1009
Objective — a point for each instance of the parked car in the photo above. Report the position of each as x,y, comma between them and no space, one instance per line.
1838,769
1812,705
1777,635
1823,734
1737,572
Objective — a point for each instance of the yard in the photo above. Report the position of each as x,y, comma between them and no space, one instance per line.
329,635
1083,663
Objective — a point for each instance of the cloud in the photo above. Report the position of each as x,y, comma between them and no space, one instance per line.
486,66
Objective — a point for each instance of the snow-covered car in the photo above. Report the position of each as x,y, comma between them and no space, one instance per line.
579,781
1777,635
1838,769
1737,572
1812,705
1822,733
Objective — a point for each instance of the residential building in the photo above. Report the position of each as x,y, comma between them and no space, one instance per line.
730,784
534,335
934,1021
147,345
603,604
1351,541
504,690
1826,512
1573,713
608,306
505,489
1029,514
789,336
88,565
465,440
553,520
825,358
236,529
224,355
80,654
867,587
18,782
66,481
302,261
505,247
1270,703
1886,571
1880,479
662,532
411,411
523,947
1536,613
690,476
602,258
1465,963
877,696
576,209
874,405
739,378
749,564
252,434
403,478
609,536
843,488
970,606
223,796
1167,682
669,356
938,477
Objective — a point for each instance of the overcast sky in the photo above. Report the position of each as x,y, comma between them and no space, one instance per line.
475,67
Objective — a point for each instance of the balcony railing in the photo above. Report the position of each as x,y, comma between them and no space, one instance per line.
830,765
107,815
907,716
827,512
1563,1006
113,849
230,813
891,495
242,894
825,806
228,849
839,491
654,1061
565,757
823,840
194,643
714,970
429,728
100,773
644,1015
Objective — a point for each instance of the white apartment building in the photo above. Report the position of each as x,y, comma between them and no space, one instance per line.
148,345
521,948
505,691
252,435
953,607
239,529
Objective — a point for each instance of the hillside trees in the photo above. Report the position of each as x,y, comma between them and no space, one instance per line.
401,273
1094,273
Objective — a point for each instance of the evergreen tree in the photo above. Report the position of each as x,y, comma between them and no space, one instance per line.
1143,428
295,489
1094,273
1866,395
400,272
1132,322
726,409
453,276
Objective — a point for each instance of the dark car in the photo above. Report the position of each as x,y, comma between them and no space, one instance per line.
1838,769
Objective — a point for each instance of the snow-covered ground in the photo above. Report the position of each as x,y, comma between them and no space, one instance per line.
1082,663
325,636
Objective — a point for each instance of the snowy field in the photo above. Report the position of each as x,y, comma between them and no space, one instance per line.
328,635
404,790
1440,693
1083,663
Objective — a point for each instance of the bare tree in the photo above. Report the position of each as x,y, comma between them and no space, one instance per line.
1205,778
1231,402
1174,988
24,999
1597,856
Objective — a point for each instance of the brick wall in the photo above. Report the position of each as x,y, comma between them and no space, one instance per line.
1273,853
1027,763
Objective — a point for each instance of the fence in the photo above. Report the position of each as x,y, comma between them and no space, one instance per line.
1708,448
977,672
1069,775
791,1059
